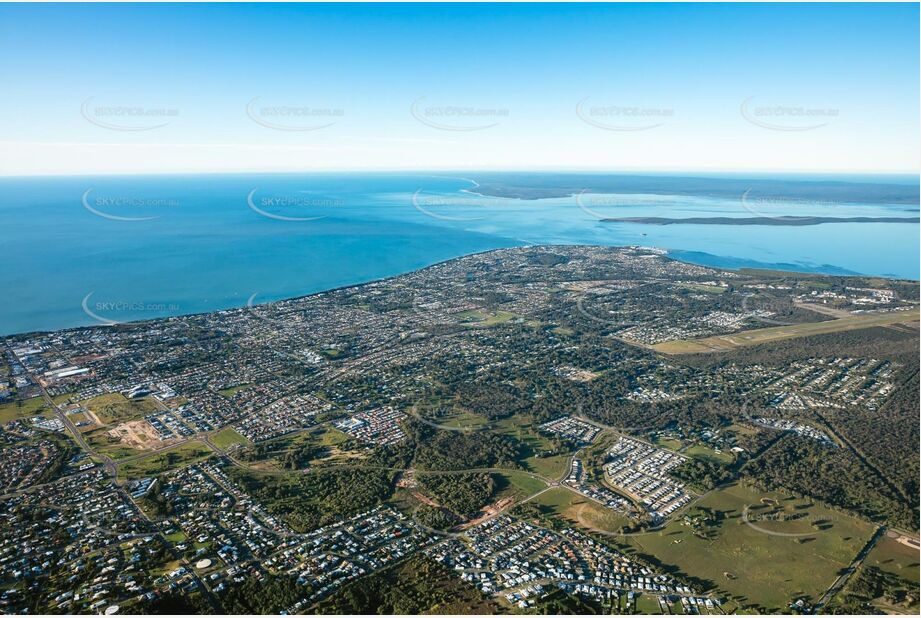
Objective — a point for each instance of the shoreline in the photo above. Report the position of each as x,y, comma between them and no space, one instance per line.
780,220
667,254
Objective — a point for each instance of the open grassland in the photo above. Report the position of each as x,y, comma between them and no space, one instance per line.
699,451
115,408
477,318
233,390
551,467
319,445
565,504
894,557
702,287
163,461
596,517
752,563
525,431
695,451
327,436
518,484
455,418
14,410
671,444
106,444
723,343
227,437
558,499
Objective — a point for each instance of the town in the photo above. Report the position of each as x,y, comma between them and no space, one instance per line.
504,416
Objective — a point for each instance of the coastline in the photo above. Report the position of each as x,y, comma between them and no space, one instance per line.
214,252
784,220
667,254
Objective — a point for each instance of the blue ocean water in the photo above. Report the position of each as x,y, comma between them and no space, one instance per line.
131,248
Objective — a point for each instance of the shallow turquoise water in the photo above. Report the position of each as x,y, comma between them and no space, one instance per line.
131,248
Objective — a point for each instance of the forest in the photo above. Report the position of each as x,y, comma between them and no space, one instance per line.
833,475
308,501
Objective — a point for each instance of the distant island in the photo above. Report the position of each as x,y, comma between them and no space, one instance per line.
536,186
784,220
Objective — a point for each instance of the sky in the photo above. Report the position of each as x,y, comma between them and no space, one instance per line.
120,89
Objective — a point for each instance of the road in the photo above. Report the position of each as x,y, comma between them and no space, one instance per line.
850,570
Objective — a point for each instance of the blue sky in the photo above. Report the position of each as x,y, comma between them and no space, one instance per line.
598,87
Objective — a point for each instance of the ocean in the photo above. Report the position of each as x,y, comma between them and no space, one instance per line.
92,250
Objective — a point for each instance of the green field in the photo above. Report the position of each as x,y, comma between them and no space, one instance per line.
23,409
157,463
523,429
453,418
597,517
701,287
565,504
558,499
231,391
227,437
318,445
484,318
104,444
647,604
699,451
894,557
552,467
327,435
723,343
519,484
671,444
893,567
751,567
115,408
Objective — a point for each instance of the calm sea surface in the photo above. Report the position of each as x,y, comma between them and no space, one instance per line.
131,248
